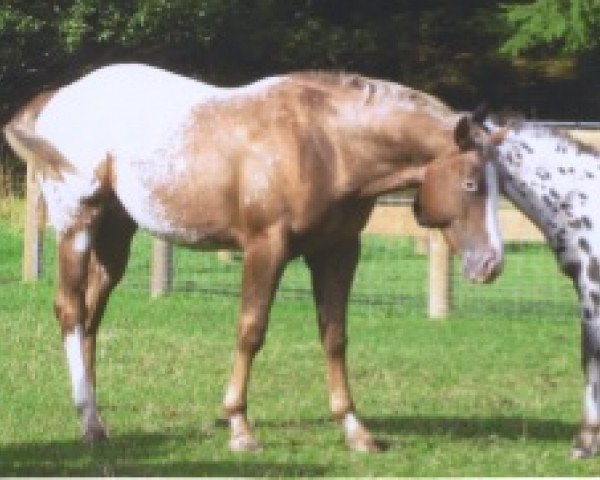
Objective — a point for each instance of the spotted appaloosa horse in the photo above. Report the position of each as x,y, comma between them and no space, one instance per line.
555,181
285,167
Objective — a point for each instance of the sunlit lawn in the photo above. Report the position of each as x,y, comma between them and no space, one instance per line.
495,393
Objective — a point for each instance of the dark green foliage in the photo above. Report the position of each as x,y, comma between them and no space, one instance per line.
565,26
450,49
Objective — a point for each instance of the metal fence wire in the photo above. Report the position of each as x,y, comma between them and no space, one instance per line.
391,279
392,276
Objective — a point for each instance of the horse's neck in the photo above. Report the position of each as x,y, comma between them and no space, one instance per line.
550,178
387,150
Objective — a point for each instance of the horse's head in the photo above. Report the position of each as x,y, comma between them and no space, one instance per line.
459,194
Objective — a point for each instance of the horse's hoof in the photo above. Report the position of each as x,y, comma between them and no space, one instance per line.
244,443
92,439
587,444
579,452
94,435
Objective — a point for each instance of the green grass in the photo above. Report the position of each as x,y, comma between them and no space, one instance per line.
493,391
12,212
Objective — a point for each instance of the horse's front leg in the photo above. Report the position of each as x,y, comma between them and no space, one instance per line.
73,255
264,259
332,274
587,442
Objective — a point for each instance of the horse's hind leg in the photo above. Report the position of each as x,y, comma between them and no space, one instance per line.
73,260
332,274
108,260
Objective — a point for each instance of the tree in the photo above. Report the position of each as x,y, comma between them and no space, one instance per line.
560,26
446,48
46,44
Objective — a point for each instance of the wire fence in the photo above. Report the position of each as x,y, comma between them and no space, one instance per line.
392,276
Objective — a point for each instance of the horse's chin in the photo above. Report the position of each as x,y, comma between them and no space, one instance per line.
481,278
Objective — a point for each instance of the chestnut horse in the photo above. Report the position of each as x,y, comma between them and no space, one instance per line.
288,166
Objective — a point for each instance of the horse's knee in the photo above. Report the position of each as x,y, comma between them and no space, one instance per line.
251,337
67,311
335,340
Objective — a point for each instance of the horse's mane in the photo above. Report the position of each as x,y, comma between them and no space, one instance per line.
520,124
378,90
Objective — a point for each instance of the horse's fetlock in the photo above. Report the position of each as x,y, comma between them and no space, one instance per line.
234,409
83,407
339,412
340,405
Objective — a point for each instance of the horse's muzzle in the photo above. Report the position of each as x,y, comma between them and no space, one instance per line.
482,266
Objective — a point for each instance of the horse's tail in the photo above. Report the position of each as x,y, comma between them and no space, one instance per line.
30,147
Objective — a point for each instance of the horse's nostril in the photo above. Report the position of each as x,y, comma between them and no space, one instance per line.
492,265
488,265
482,266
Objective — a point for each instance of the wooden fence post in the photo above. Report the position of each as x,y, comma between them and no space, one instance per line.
440,275
161,274
33,239
225,256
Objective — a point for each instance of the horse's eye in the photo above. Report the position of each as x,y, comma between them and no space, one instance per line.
469,185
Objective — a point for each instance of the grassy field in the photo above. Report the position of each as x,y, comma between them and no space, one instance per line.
493,391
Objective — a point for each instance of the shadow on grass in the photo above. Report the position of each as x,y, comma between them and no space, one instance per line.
151,454
509,427
140,454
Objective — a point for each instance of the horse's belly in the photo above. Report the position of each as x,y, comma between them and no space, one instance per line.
159,199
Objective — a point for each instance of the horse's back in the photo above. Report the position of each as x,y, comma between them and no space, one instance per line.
196,163
137,129
116,106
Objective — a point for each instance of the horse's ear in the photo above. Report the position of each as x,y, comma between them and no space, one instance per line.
499,135
463,133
